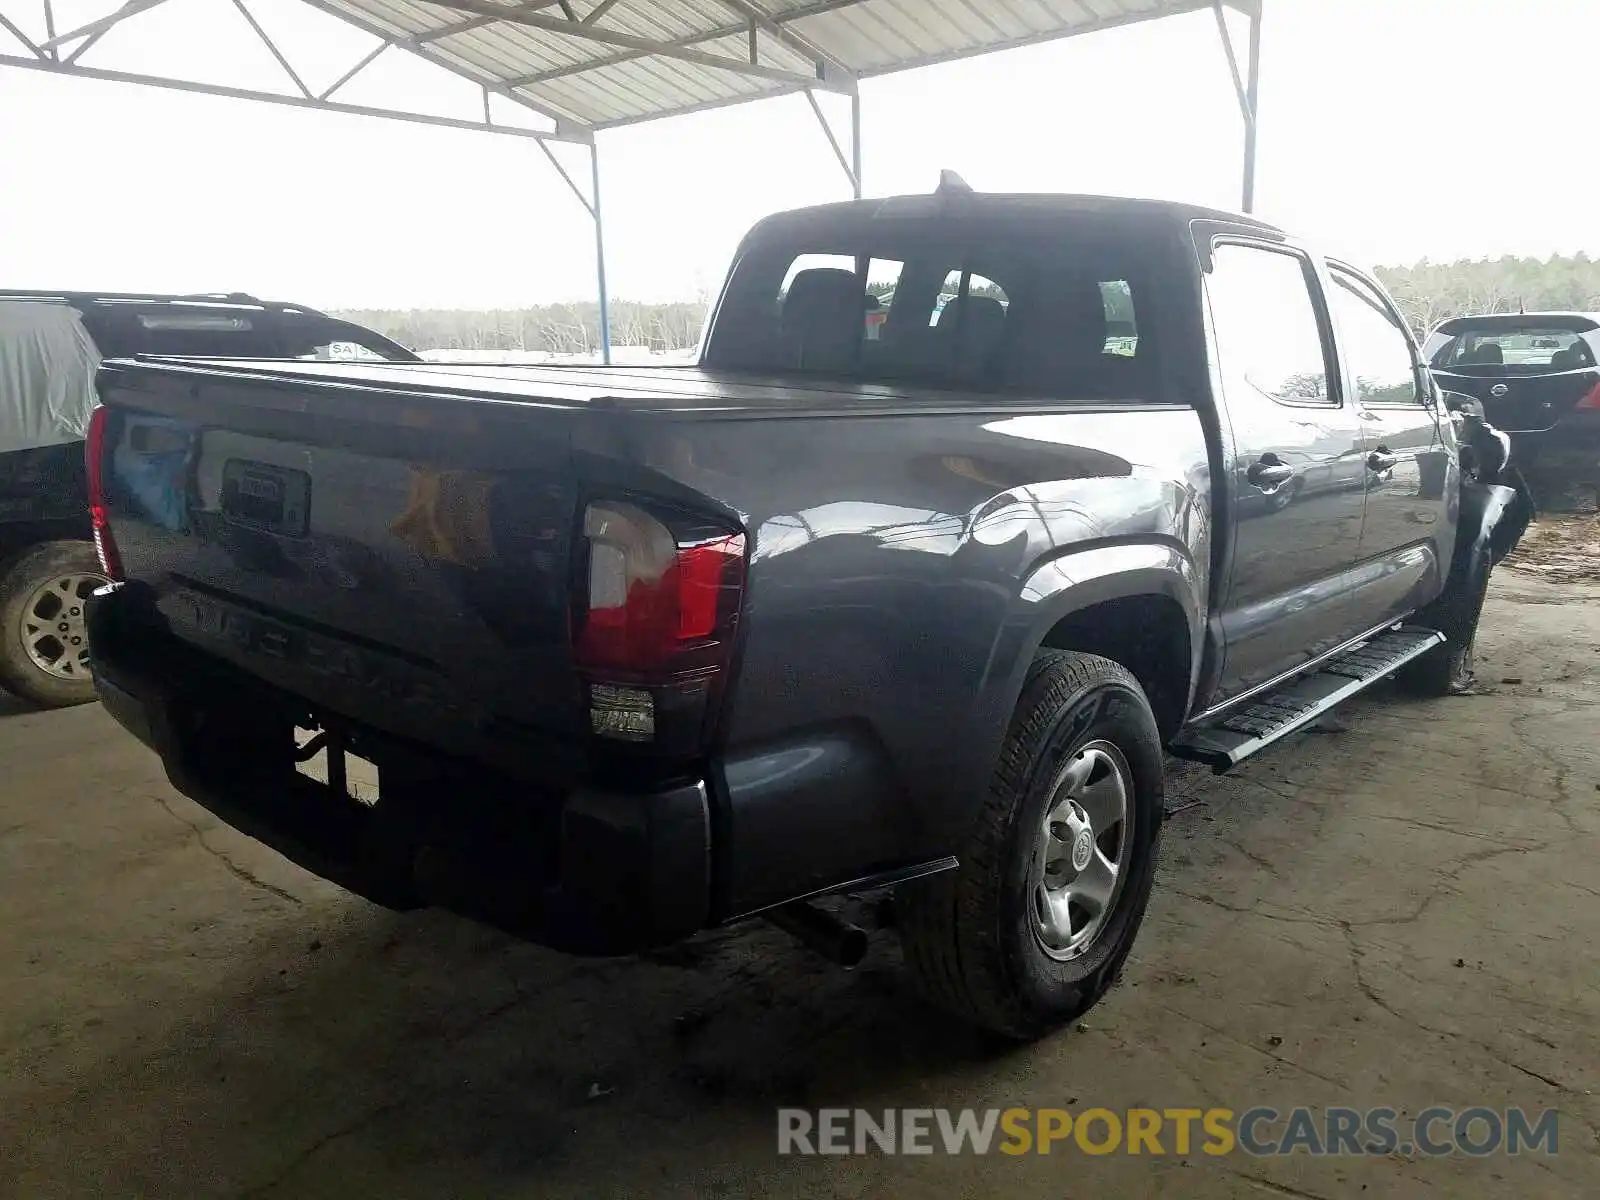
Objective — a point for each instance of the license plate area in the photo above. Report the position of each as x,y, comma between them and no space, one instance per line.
267,497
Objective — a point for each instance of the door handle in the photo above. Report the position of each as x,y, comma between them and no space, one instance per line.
1381,460
1268,476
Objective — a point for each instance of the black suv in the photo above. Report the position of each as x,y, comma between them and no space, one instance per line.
50,345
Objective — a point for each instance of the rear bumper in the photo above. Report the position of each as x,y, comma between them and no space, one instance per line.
588,870
1581,426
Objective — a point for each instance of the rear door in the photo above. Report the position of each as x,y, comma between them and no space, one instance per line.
1409,466
1297,472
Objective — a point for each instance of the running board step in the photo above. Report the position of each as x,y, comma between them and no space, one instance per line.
1235,735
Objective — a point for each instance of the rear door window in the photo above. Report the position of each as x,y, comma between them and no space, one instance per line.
1269,337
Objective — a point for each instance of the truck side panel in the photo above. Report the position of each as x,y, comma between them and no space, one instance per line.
907,556
887,628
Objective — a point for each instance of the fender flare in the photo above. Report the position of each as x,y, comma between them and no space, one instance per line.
1492,515
1081,579
1078,579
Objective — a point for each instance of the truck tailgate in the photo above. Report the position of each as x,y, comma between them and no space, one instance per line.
394,559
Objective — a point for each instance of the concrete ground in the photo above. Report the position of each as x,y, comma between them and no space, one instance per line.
1400,908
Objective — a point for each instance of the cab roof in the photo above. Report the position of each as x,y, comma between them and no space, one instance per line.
968,205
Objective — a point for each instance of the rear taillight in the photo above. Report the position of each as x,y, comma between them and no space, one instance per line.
1592,400
654,633
94,452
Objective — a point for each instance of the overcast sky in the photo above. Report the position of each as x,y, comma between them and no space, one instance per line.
1391,130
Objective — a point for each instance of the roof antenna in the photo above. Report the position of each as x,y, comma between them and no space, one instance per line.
949,182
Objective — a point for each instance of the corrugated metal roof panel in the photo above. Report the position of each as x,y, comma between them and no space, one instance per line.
625,61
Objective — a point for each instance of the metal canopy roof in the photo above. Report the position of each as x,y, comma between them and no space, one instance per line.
604,63
575,67
587,65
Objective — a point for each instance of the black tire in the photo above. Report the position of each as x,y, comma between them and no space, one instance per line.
1447,670
969,934
20,581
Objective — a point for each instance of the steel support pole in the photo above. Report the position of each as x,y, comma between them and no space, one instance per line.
1252,95
855,141
850,163
600,254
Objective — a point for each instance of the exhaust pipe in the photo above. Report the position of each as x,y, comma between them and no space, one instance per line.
836,940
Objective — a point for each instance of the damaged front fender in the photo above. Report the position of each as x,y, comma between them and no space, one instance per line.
1493,515
1496,502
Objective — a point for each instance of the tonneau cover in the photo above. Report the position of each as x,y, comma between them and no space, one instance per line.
677,391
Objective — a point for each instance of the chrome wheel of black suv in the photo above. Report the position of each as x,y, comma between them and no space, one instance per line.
44,645
1033,927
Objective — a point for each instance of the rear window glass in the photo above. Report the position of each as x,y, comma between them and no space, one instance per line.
123,329
977,285
1053,314
1560,349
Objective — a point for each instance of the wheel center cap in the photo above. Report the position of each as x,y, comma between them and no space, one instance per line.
1082,849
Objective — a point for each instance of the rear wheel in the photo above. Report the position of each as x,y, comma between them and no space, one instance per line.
44,643
1033,927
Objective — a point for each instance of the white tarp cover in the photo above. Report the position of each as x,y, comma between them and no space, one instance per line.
47,366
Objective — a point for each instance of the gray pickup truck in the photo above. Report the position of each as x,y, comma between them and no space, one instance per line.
882,593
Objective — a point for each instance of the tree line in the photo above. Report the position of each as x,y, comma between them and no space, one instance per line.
1427,293
552,328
